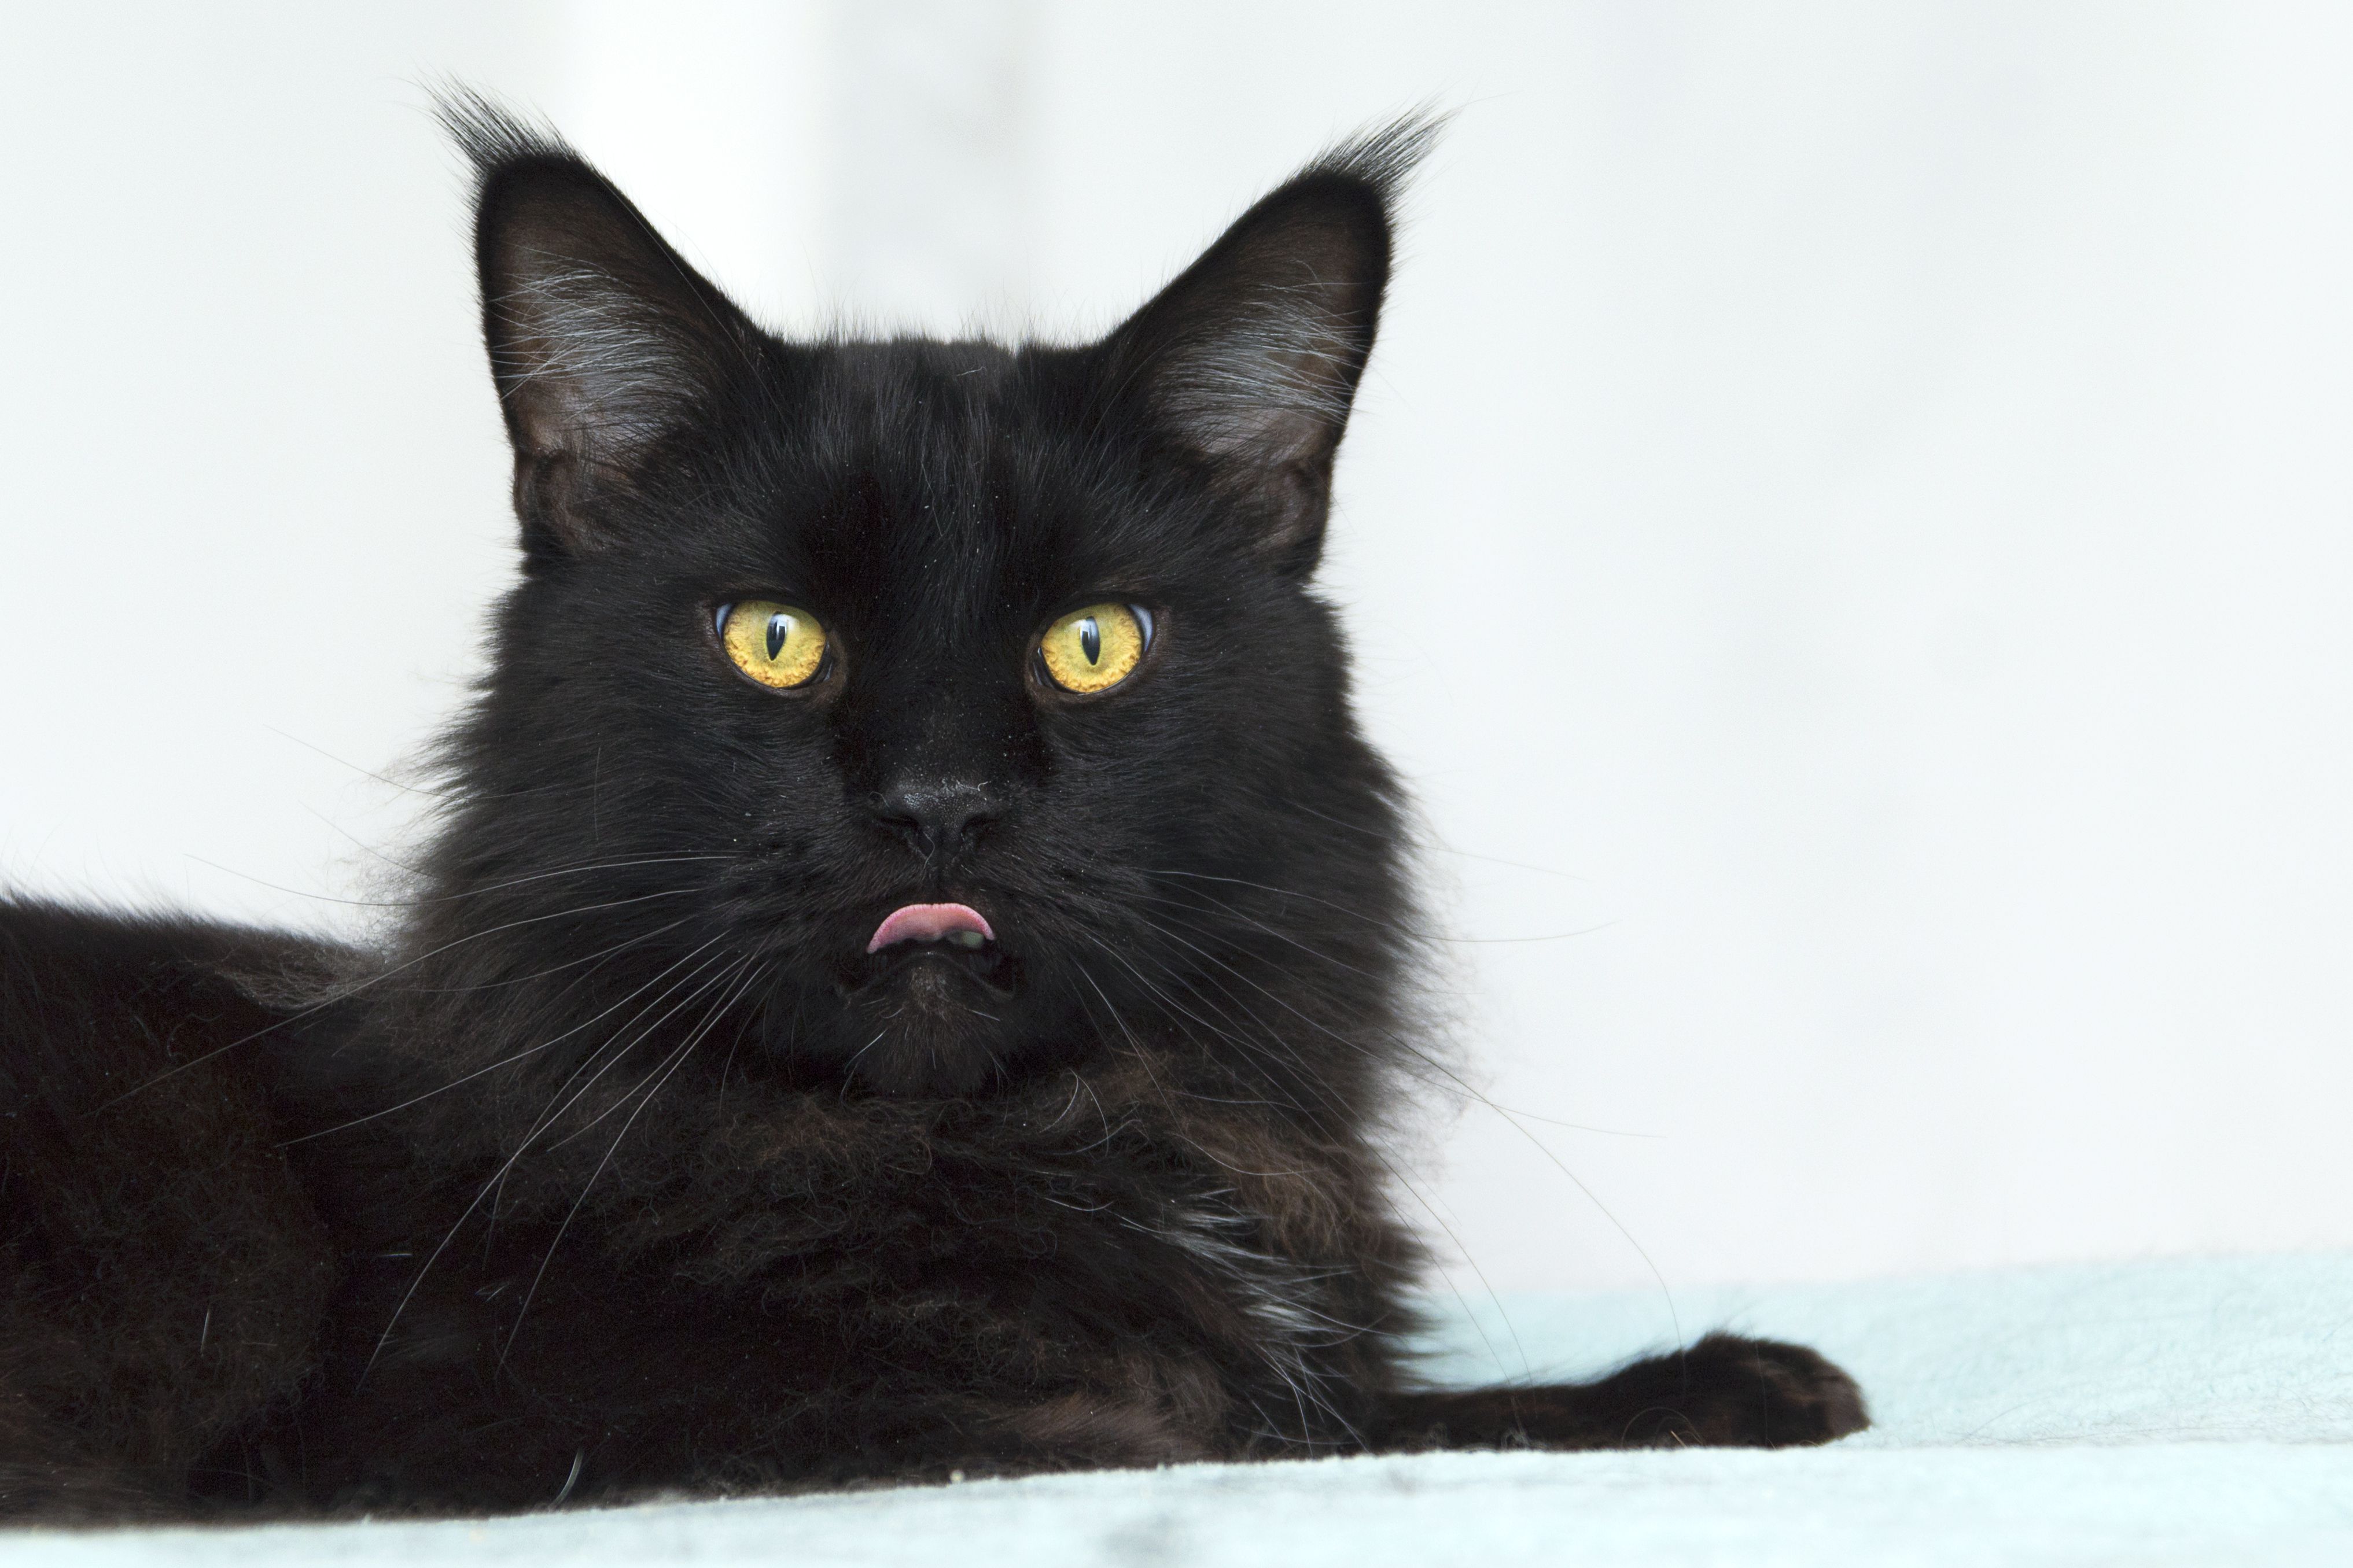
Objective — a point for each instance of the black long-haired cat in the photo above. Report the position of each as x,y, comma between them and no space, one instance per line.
910,974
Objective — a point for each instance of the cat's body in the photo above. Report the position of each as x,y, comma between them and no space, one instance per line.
642,1158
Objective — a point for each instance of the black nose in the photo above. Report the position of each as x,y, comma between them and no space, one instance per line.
935,815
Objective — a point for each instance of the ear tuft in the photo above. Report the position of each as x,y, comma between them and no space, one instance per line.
1248,362
603,340
491,134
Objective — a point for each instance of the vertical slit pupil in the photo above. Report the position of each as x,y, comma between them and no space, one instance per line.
779,628
1091,640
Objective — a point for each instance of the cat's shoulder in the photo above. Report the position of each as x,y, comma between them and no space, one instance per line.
96,1003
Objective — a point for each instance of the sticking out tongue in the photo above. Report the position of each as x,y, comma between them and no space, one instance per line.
957,923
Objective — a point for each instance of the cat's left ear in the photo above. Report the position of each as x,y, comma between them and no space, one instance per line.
603,340
1246,365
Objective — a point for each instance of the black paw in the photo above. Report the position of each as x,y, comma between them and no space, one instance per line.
1723,1392
1726,1391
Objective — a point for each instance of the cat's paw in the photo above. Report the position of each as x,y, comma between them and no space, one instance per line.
1725,1392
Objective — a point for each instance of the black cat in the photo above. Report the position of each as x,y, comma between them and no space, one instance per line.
911,973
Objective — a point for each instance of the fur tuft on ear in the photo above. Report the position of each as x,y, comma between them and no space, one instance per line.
1247,363
603,340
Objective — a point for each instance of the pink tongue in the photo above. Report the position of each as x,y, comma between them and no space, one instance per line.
927,923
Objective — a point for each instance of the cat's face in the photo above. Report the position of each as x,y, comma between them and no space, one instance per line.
954,711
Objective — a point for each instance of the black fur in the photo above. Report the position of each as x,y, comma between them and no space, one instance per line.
623,1167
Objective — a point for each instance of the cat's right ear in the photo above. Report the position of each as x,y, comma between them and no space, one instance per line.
601,340
1247,363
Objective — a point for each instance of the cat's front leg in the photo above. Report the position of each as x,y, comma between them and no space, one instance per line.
1724,1391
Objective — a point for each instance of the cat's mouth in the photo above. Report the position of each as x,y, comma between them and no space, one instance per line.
929,948
959,924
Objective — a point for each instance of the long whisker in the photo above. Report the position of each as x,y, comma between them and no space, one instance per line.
1431,1062
1429,841
498,1177
559,788
594,961
1280,893
614,1050
361,845
379,979
850,1068
561,1103
1282,936
1397,1176
677,1058
713,982
456,897
1383,924
1288,940
502,1061
1136,1047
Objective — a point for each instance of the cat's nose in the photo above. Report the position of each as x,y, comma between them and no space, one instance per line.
935,814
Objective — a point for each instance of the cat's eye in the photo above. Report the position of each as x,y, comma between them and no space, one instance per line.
1095,648
776,644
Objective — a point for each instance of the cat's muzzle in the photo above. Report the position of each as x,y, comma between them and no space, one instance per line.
944,956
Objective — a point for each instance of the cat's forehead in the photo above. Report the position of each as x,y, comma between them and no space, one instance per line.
939,418
922,470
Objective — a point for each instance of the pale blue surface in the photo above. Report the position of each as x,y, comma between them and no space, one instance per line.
2168,1413
2179,1352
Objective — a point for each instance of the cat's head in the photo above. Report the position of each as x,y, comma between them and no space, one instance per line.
931,712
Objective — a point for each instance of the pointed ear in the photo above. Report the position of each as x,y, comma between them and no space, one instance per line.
1247,363
601,340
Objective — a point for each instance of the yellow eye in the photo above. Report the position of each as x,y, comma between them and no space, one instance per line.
1095,648
776,644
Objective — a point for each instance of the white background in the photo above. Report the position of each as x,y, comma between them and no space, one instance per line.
1850,513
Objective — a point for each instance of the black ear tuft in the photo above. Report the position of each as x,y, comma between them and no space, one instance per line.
601,340
1249,361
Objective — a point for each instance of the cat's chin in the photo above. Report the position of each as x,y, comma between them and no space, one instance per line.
937,1023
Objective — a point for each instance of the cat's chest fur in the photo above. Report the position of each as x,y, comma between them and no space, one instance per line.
820,1287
